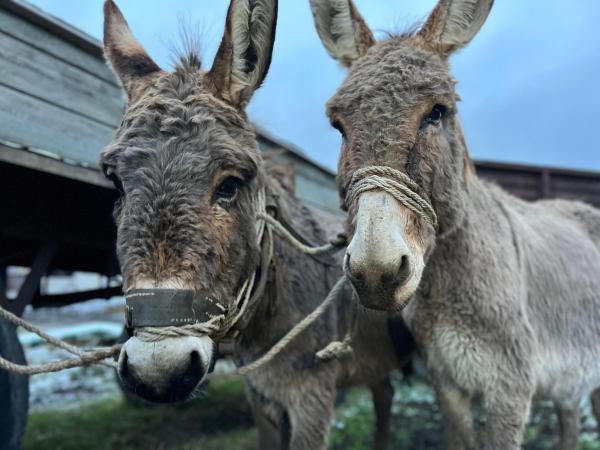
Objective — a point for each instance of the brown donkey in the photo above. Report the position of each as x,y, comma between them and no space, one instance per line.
502,296
187,164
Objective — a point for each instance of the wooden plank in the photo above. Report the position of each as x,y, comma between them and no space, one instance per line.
54,25
26,68
55,46
30,160
68,135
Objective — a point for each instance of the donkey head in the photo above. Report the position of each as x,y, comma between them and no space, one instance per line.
186,161
397,108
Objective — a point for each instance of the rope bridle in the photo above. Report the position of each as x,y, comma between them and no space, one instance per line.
396,183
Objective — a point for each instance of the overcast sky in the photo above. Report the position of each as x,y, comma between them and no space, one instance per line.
529,81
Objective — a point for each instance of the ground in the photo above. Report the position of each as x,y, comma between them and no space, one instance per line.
220,420
84,408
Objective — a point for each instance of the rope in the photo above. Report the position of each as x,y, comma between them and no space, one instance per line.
296,331
84,357
397,184
285,233
217,327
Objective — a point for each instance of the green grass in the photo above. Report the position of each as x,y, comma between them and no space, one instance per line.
216,420
221,420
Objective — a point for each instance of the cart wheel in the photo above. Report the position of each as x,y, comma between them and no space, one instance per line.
14,391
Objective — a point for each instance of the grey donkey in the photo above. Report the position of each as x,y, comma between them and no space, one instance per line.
186,161
503,298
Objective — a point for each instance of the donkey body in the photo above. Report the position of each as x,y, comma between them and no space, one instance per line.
503,297
187,163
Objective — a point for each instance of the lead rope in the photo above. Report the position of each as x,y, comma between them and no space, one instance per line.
266,223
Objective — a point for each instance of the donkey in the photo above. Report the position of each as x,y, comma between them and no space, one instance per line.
187,164
503,295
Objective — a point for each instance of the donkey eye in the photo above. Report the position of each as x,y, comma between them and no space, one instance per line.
112,176
434,117
228,188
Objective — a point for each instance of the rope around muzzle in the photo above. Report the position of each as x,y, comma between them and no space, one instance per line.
397,184
215,327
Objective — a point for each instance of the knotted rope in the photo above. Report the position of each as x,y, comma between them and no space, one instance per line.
397,184
216,327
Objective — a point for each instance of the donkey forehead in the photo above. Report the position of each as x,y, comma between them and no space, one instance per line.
172,123
396,70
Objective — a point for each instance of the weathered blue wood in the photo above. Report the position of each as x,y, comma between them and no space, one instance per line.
27,69
44,127
58,48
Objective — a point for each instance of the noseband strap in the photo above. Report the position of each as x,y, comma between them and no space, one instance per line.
169,307
397,184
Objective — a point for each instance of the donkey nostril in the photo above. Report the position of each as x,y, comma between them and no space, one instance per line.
355,275
404,269
398,275
123,366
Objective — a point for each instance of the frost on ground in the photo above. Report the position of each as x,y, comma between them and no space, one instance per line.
70,387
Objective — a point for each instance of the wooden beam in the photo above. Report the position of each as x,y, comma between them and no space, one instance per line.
31,285
59,300
31,160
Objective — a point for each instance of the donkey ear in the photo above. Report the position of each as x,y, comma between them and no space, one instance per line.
453,23
343,31
244,56
124,53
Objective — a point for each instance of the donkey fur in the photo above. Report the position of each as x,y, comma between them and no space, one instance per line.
509,302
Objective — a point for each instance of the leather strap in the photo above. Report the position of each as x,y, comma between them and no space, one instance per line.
168,307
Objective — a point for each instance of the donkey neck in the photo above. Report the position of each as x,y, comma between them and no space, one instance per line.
483,224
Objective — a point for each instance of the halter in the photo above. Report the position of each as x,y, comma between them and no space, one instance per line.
397,184
163,313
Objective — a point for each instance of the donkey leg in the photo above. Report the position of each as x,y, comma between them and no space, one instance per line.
311,415
383,394
267,419
269,433
456,408
595,400
507,408
569,417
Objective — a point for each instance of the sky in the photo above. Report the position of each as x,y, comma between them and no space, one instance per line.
529,81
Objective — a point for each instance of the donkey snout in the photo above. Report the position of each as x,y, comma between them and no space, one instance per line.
378,259
374,277
165,371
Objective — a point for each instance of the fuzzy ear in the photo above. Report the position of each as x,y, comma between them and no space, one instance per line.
124,53
342,29
453,23
244,56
